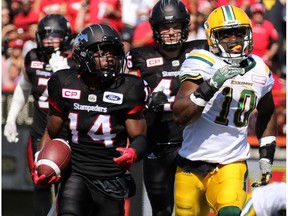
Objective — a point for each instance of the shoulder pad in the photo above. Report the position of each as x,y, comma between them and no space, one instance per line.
202,56
198,44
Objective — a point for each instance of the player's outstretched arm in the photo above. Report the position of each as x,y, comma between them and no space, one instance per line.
266,131
19,99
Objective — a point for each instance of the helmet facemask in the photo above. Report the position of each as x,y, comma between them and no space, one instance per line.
167,39
169,12
50,38
232,51
105,61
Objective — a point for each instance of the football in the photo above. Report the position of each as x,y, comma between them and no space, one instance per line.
53,158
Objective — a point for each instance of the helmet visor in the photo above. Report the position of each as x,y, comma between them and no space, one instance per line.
52,38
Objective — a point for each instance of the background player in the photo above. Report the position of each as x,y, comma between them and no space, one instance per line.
53,41
268,200
103,111
219,90
159,65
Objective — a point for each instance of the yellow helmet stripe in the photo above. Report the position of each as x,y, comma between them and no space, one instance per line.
202,57
228,13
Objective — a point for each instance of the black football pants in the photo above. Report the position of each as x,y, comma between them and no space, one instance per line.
159,174
77,196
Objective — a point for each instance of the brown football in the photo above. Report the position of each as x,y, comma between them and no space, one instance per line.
53,158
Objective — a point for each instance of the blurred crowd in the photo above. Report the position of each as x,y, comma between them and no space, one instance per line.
131,19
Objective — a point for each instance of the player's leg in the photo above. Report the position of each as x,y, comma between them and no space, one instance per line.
248,209
226,190
74,197
53,210
159,175
42,200
109,195
107,206
190,194
42,197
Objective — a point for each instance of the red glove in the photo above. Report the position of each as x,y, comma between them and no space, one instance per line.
42,180
127,158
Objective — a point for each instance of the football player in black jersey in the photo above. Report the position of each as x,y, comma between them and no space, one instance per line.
53,41
160,66
104,108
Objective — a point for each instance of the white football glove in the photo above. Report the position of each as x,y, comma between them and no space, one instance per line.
266,172
10,132
58,62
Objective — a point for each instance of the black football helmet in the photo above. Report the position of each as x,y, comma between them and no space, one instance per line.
54,24
167,11
89,48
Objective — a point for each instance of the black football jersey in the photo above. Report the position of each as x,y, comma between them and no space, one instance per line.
96,118
161,74
38,71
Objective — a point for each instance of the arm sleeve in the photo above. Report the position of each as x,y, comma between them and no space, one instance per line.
19,99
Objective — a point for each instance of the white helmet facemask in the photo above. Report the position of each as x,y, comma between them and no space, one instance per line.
227,54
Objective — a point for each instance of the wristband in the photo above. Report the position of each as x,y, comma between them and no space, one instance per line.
267,140
205,91
139,143
267,151
198,101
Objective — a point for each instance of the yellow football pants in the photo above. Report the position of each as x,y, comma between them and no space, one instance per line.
248,209
222,187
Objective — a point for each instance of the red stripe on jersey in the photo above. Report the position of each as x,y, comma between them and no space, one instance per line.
54,105
136,109
139,73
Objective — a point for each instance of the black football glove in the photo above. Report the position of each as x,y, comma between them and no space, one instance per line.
156,101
